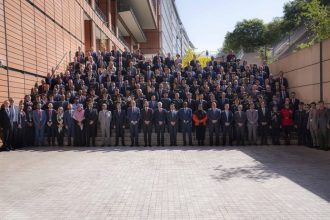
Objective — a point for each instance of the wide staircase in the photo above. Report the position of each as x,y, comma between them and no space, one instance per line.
127,138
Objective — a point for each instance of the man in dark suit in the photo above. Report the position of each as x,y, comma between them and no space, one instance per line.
39,120
172,118
227,121
160,116
69,123
51,124
133,116
299,116
263,120
185,116
29,131
240,124
294,102
166,101
119,119
146,120
7,126
214,115
21,126
91,118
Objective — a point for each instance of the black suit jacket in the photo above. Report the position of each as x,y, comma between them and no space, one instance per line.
91,115
263,117
224,119
5,119
146,116
119,120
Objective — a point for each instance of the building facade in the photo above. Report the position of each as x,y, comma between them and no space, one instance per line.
39,36
170,36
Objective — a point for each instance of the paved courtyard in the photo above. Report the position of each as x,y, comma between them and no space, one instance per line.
273,182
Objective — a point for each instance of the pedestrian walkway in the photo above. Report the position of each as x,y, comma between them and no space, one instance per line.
261,182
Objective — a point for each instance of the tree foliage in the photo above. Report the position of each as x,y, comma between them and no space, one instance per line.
251,34
248,34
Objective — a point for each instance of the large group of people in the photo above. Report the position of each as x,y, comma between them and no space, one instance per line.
110,91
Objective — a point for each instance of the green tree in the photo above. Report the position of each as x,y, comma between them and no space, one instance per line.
248,34
275,30
317,18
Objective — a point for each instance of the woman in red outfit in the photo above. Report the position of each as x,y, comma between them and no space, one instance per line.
287,121
200,119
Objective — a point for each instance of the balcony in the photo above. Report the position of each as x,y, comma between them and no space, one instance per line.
144,11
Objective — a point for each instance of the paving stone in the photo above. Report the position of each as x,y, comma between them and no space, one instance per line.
254,182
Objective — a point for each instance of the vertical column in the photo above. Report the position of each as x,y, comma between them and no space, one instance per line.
93,36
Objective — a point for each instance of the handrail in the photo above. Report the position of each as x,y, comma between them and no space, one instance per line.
57,66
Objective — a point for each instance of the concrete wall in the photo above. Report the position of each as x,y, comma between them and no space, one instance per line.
302,69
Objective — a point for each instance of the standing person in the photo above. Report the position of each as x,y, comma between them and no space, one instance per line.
7,125
39,120
252,124
51,125
240,124
263,119
324,126
146,120
307,138
60,126
133,116
160,122
14,117
105,121
119,120
69,123
90,124
185,116
29,131
312,124
287,122
299,117
227,120
275,125
21,126
200,119
213,116
79,128
172,118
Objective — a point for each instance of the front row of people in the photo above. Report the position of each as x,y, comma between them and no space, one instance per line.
81,125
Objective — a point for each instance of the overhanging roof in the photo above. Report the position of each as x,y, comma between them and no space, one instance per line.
129,20
145,12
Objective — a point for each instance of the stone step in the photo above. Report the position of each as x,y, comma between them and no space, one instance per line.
127,138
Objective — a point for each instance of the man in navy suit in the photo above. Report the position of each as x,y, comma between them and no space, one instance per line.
119,119
69,123
133,116
185,116
227,120
172,118
39,120
263,119
146,120
160,116
51,124
91,118
214,115
7,125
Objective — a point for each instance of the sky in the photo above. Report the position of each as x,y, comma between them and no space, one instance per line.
208,21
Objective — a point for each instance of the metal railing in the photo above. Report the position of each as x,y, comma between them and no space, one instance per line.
101,15
61,61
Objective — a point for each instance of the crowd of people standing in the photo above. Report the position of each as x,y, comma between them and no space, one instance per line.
112,90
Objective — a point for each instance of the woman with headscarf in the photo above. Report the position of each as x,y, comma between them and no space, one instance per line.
200,119
79,130
60,126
